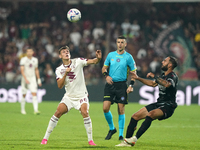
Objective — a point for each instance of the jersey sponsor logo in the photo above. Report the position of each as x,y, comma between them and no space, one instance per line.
106,96
63,71
118,60
119,56
71,75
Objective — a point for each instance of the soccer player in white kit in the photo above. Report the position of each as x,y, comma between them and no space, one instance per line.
29,71
70,74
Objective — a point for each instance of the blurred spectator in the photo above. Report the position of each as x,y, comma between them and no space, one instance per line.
75,37
125,26
197,40
92,48
49,47
144,69
25,31
9,68
13,30
49,74
98,31
135,29
141,53
46,32
155,65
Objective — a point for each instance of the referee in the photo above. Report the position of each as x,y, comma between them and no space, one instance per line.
118,62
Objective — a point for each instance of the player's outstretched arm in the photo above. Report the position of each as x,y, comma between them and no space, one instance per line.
159,80
97,59
144,81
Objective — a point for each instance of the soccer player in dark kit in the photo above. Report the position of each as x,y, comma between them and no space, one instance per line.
162,109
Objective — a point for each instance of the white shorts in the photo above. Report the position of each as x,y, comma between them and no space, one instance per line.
32,86
74,102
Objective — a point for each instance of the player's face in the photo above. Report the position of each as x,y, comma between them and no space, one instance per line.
65,54
121,44
29,52
165,64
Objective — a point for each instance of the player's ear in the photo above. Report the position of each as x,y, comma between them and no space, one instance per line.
170,65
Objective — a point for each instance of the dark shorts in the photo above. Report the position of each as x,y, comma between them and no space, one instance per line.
167,108
116,93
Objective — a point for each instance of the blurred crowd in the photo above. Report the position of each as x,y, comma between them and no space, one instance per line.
44,27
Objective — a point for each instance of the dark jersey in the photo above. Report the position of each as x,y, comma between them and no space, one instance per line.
168,94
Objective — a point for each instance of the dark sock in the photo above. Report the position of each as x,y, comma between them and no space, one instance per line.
131,128
145,125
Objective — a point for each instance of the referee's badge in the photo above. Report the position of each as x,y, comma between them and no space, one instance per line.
118,60
122,98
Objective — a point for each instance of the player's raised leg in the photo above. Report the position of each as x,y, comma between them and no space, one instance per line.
87,122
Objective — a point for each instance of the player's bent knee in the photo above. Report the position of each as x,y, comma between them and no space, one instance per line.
136,117
105,110
85,114
152,115
58,114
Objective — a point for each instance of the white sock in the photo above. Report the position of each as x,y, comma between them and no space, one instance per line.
23,102
35,103
88,127
52,124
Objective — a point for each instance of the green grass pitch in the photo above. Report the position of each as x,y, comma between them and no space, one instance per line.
24,132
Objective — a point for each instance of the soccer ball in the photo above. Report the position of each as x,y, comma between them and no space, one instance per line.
74,15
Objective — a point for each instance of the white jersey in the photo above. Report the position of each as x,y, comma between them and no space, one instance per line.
29,66
75,82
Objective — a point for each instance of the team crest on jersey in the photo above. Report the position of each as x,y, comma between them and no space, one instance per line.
122,98
118,60
63,71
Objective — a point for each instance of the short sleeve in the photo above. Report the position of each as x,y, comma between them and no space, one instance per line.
58,74
36,64
82,61
22,61
107,61
132,64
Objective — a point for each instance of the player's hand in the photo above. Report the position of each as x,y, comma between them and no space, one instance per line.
68,70
129,89
150,75
133,75
98,54
27,82
109,80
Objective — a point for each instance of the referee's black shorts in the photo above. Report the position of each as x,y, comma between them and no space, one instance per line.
116,93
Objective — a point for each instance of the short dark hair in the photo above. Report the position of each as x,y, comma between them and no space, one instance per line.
64,47
174,61
121,37
29,48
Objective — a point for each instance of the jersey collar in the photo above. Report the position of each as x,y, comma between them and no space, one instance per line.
67,66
